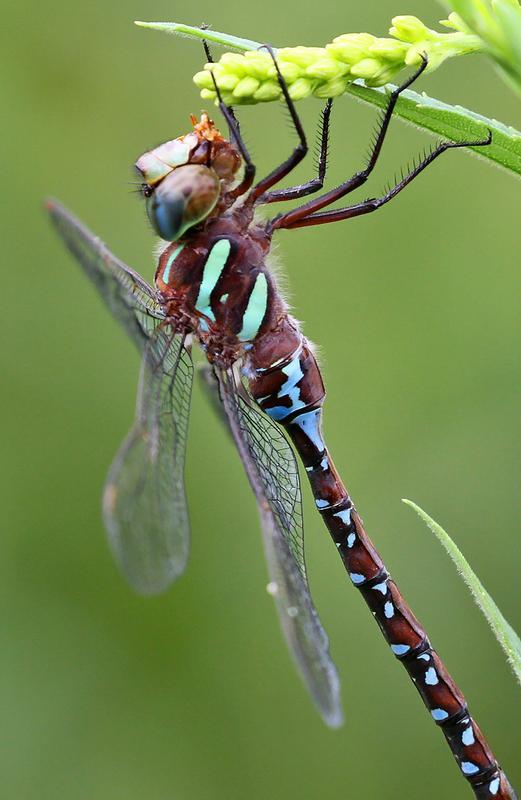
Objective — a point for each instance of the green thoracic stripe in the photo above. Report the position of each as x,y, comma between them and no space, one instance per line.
255,310
171,258
215,263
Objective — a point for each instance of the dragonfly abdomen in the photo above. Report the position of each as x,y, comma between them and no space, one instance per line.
404,634
284,377
291,391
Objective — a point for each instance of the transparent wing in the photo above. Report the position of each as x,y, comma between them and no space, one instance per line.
132,301
144,503
272,470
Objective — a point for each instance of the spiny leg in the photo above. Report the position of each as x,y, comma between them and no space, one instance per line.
299,152
258,192
313,185
335,215
209,59
286,220
235,134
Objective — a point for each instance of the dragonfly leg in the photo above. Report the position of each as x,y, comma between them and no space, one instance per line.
359,178
374,203
313,185
235,134
209,59
299,152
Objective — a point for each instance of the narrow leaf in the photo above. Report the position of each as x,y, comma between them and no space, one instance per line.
509,19
224,39
498,24
504,633
453,122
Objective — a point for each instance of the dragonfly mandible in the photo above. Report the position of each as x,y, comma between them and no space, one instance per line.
213,285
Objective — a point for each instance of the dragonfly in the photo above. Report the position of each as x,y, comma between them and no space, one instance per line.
213,287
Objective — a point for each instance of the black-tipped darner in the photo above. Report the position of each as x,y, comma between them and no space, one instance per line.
212,285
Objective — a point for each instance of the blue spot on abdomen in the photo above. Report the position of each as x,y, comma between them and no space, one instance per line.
439,714
400,649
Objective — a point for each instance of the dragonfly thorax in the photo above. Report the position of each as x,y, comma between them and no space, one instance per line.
218,280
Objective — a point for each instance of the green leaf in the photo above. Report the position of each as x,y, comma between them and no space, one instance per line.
509,19
476,14
224,39
453,122
504,633
498,24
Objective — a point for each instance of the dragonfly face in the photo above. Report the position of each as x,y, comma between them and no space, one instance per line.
184,178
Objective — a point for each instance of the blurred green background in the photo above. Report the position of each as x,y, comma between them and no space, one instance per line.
192,695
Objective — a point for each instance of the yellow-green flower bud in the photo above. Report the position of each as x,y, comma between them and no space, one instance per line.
389,49
246,88
409,29
267,91
214,67
333,88
232,62
289,71
258,64
218,70
455,22
300,89
351,47
415,53
367,68
302,56
227,97
227,81
435,53
251,77
326,69
203,80
383,77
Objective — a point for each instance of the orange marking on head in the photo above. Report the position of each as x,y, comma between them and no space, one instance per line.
206,129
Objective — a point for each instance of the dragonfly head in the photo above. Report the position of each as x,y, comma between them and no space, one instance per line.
184,178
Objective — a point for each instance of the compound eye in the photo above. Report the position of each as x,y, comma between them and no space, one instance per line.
226,161
183,199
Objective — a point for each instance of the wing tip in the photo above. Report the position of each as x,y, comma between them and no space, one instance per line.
333,717
51,205
55,209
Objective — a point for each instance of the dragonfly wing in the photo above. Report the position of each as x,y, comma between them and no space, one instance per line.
132,301
273,473
144,503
